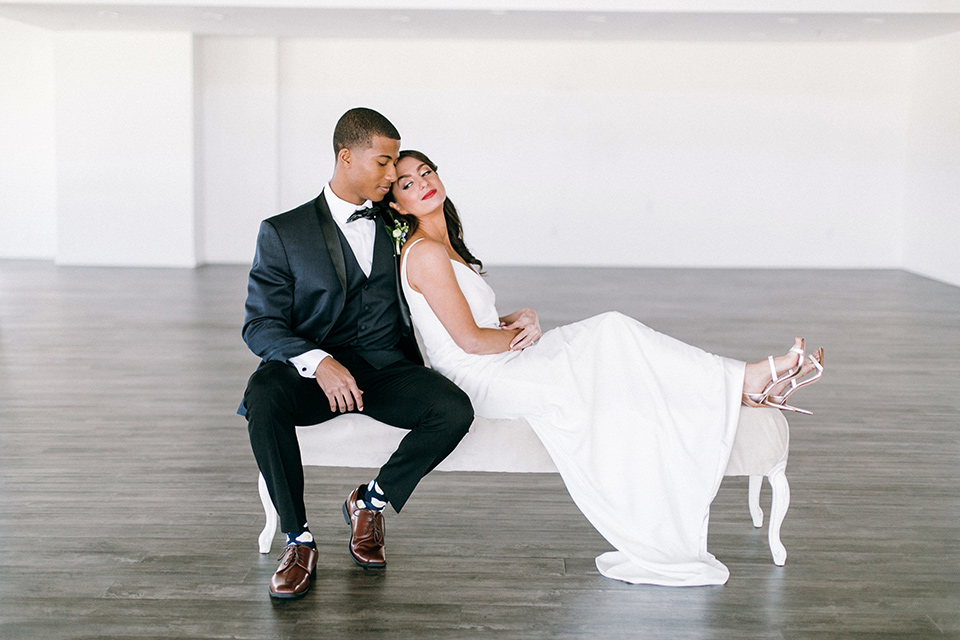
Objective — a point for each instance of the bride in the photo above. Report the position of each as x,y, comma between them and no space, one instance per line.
640,425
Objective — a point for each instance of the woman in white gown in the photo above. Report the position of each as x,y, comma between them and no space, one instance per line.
640,425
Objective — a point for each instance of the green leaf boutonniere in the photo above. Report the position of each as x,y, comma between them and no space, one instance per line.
398,231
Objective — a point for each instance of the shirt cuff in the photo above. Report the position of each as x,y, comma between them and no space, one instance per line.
307,363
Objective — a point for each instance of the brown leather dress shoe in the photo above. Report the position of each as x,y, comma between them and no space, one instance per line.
298,565
366,533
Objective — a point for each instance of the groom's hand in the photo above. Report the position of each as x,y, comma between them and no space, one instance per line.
339,386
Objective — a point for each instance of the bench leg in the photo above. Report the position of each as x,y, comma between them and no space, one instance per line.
778,510
273,519
753,500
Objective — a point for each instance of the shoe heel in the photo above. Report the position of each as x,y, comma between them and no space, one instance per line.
785,407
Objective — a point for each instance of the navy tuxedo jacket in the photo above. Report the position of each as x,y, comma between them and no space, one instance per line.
297,285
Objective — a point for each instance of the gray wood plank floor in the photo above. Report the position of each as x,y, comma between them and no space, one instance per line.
128,505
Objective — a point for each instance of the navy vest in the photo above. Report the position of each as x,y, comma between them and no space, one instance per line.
369,324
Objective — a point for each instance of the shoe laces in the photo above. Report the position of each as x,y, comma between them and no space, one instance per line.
374,528
290,556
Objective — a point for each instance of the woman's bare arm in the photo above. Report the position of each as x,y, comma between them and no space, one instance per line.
429,272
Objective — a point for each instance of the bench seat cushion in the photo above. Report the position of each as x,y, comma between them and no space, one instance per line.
511,445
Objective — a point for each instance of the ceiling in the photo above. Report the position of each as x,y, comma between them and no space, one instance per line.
681,20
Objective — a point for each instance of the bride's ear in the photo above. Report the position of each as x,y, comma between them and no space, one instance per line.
396,207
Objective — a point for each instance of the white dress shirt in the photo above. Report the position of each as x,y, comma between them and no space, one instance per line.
360,235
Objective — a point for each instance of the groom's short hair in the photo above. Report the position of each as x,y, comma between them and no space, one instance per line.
357,127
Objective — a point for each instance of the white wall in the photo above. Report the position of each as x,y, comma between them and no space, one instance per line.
616,153
27,185
125,149
932,214
169,151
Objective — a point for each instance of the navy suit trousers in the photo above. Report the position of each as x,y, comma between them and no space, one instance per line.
435,411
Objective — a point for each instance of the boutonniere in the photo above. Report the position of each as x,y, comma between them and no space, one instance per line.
398,231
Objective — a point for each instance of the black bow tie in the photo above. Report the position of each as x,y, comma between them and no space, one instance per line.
367,212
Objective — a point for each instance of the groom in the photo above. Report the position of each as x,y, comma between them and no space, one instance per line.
324,313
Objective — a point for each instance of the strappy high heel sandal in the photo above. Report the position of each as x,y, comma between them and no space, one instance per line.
780,401
759,399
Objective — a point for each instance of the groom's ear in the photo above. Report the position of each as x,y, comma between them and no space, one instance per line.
344,156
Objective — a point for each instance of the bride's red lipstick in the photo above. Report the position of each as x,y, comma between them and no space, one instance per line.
429,194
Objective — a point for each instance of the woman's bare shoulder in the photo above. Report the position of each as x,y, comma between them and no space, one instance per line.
427,252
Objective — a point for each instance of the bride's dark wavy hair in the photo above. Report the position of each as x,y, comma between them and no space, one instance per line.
450,215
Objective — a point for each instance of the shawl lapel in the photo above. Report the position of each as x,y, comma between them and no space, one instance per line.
384,250
331,238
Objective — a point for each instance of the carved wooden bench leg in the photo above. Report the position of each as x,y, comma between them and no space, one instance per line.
270,528
753,500
779,504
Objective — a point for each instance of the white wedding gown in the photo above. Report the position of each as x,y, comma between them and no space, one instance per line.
640,426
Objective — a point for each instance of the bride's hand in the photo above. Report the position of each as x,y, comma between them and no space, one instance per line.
527,322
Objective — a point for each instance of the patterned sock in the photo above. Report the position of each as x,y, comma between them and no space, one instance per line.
372,497
304,537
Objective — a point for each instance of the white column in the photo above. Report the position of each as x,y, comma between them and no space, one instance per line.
125,149
27,147
238,132
932,217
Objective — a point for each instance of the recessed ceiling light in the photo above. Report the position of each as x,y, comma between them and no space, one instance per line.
108,14
788,20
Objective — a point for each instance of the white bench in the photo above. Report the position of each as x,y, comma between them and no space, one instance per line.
759,449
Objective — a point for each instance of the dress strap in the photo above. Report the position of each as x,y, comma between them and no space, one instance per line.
415,242
403,261
407,252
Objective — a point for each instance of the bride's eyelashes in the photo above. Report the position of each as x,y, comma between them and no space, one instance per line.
407,184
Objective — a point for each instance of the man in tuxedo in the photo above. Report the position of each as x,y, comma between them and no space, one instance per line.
324,313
